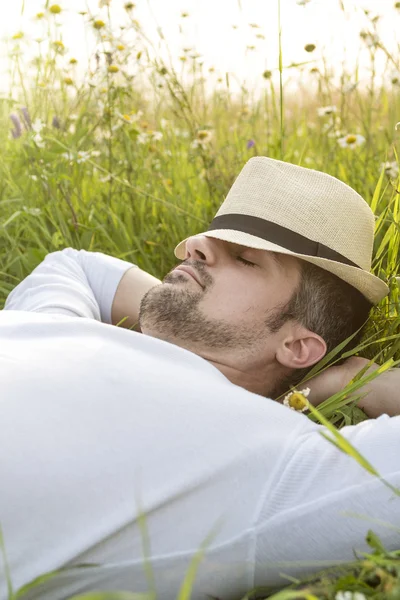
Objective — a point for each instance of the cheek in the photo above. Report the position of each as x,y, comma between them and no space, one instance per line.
244,301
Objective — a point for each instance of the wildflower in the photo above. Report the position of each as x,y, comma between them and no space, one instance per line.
142,138
56,122
26,117
16,132
34,177
39,15
267,74
349,87
309,47
72,61
157,136
37,138
68,81
371,39
250,144
120,47
397,5
95,153
129,6
203,137
250,47
113,69
351,140
350,596
254,25
55,9
68,156
99,24
82,157
58,46
184,15
104,3
395,77
297,400
302,2
105,179
391,169
18,36
164,123
260,36
37,126
326,110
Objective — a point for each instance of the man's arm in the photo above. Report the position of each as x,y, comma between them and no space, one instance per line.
380,396
78,283
134,284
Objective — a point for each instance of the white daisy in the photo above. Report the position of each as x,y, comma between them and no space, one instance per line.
351,140
326,110
142,138
391,169
297,400
37,125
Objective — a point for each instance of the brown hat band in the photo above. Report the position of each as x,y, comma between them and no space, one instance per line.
277,234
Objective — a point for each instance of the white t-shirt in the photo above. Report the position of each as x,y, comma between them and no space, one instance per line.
100,425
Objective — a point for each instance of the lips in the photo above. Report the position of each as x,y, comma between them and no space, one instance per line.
190,271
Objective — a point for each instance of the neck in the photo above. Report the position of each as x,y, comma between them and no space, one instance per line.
262,381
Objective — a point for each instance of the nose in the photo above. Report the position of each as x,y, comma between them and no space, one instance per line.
201,247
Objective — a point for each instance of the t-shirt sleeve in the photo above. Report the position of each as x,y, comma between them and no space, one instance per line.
71,282
318,508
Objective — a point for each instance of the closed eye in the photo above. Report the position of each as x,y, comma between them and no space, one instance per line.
245,262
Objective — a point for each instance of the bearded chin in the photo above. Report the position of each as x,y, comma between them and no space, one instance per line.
167,310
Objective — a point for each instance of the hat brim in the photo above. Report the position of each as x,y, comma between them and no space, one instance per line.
373,288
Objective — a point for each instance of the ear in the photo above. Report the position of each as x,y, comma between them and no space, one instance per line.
302,349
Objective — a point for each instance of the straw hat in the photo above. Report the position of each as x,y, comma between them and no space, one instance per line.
293,210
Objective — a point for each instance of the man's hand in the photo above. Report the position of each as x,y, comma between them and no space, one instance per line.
382,394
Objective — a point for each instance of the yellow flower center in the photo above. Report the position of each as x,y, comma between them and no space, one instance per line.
99,24
351,139
113,69
298,401
55,9
203,135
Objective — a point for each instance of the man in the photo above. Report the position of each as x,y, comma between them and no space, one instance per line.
102,425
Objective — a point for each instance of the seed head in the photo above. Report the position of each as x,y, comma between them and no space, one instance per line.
267,74
129,6
309,47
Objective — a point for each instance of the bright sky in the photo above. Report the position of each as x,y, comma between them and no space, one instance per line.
208,29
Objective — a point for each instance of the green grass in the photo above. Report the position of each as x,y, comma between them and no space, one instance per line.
135,196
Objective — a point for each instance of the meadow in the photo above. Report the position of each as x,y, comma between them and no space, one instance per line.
137,154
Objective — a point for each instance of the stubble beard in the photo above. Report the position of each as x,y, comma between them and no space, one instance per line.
172,313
